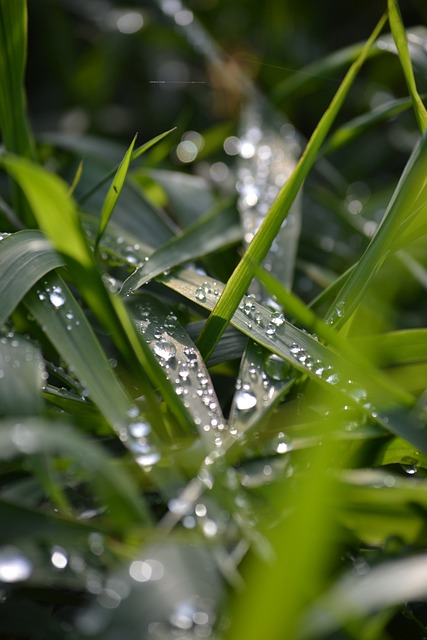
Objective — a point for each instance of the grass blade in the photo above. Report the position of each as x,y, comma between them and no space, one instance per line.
243,274
399,35
114,192
13,51
403,215
134,156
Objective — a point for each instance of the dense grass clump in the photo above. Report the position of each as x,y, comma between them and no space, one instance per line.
213,347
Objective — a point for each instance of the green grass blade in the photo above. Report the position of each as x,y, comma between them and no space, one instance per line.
404,213
25,257
114,192
217,229
13,51
399,35
57,311
134,156
14,125
243,274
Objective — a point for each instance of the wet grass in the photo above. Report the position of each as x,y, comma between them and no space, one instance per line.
189,446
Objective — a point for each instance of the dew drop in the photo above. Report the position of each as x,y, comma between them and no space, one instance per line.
165,350
270,330
277,318
245,400
410,465
200,294
56,298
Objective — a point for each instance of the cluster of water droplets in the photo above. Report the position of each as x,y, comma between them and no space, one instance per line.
267,157
54,295
184,367
137,438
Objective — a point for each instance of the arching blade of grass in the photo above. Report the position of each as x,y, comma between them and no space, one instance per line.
56,310
25,257
399,35
31,437
114,191
57,215
404,213
217,229
243,274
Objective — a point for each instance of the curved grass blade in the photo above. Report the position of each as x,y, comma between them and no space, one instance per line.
56,310
366,387
215,230
243,274
113,193
183,366
404,213
32,437
25,257
400,39
22,378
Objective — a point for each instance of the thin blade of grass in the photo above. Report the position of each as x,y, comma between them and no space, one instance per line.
13,51
399,35
134,156
243,274
405,212
114,192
